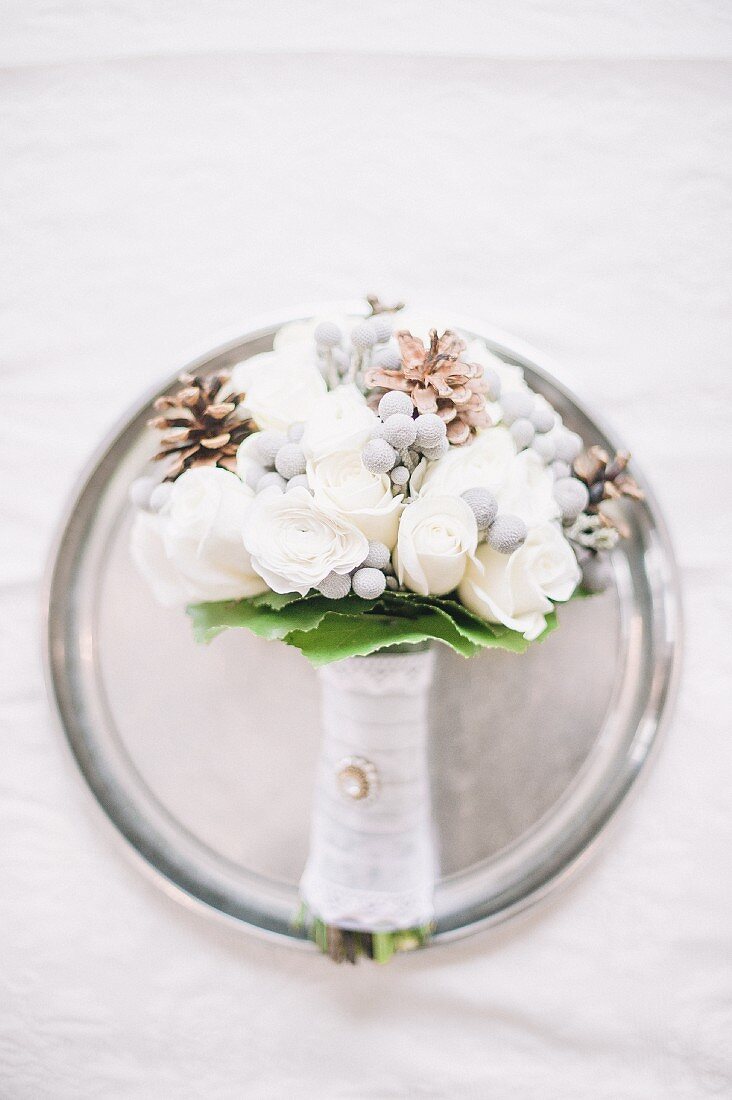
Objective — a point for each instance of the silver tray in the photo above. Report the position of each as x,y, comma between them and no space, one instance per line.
203,757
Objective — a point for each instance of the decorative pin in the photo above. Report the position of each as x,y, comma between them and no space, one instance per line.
357,779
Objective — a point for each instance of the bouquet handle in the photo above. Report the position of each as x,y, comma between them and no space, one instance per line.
371,867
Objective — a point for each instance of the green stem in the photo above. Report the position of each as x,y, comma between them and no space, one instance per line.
345,945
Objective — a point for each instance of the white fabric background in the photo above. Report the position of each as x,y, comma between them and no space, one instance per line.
560,167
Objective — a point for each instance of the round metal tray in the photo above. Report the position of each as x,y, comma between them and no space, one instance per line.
203,757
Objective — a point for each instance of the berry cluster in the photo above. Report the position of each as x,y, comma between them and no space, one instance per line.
572,497
373,575
400,440
503,533
280,460
344,358
535,425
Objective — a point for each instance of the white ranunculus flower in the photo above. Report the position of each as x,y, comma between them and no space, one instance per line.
342,484
294,543
528,491
483,464
518,589
192,551
280,387
339,421
437,536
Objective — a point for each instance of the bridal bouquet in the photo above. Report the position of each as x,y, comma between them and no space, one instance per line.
370,487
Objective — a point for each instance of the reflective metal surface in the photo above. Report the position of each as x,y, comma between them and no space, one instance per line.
203,757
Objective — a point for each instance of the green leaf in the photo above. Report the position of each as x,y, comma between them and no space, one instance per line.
339,635
330,630
209,619
582,593
276,600
476,630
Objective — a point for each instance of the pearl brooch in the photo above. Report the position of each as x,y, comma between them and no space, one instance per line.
357,779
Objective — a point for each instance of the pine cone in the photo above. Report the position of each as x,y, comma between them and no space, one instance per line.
606,480
438,381
201,425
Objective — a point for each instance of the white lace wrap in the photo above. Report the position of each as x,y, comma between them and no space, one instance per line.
372,865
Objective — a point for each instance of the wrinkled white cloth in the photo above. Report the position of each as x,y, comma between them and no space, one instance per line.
371,865
558,167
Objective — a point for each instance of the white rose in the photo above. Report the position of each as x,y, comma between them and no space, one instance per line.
342,484
192,551
247,458
518,589
280,387
302,333
483,464
147,546
528,490
437,536
294,543
511,376
339,421
203,538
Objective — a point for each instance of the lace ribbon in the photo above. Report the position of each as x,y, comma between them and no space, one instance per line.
371,865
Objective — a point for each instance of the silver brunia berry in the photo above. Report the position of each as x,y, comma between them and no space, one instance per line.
394,402
335,586
378,556
506,534
327,334
369,583
400,431
363,336
484,506
290,460
379,456
523,432
516,405
269,480
267,446
572,497
431,430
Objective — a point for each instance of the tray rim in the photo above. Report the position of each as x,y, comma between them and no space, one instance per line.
544,367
